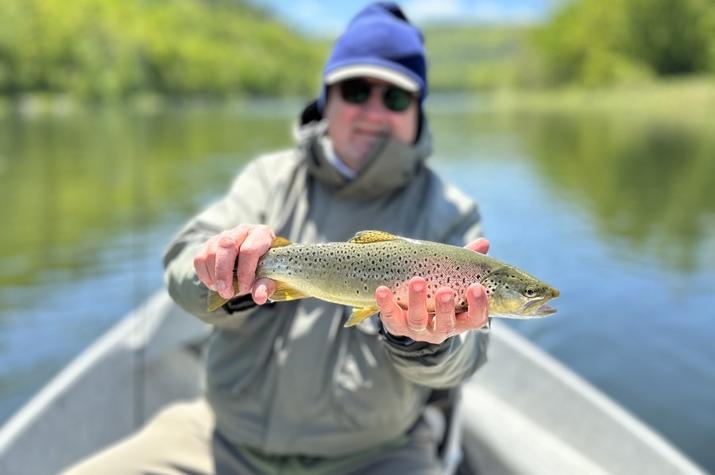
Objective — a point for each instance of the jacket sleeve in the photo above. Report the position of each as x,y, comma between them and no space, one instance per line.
439,366
457,358
246,202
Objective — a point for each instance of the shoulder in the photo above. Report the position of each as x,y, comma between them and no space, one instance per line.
450,211
270,168
283,161
445,197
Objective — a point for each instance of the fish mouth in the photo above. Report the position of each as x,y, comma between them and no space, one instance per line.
544,310
538,308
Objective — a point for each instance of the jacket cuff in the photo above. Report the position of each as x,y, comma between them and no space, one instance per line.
239,304
406,346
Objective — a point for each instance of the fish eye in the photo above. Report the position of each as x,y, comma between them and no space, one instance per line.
530,292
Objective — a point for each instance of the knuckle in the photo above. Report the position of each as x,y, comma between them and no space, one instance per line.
226,241
250,248
445,326
240,229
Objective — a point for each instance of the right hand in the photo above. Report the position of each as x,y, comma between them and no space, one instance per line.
215,261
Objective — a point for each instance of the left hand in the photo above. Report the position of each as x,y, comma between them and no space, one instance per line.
417,324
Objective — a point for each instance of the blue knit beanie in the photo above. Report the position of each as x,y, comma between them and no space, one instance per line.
379,42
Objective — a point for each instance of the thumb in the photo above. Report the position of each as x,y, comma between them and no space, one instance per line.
262,290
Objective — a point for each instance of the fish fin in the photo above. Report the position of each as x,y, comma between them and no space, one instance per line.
214,301
367,237
285,292
280,241
360,314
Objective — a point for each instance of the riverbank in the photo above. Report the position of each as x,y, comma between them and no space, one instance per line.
680,99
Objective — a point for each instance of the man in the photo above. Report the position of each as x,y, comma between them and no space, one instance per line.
288,389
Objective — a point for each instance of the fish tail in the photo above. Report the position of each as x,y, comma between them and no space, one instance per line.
215,301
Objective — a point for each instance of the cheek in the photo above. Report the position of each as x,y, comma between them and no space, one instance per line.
504,301
339,125
404,126
340,119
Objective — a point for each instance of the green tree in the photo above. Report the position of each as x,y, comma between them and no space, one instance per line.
115,48
593,42
671,36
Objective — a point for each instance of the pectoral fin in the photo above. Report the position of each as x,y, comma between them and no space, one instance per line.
360,314
285,292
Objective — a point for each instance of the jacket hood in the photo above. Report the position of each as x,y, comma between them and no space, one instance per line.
390,166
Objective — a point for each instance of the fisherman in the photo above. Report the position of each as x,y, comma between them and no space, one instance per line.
288,389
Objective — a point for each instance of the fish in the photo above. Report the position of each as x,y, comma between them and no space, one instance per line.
349,273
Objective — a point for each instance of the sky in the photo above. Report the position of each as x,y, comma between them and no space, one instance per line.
327,18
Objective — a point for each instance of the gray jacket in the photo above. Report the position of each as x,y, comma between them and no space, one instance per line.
287,378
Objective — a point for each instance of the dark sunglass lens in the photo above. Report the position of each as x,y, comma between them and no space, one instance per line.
355,91
396,99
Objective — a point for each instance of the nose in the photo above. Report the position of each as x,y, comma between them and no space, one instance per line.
374,108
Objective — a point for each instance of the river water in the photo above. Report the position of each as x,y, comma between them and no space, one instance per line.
616,211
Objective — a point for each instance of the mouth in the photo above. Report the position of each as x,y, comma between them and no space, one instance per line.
538,307
544,310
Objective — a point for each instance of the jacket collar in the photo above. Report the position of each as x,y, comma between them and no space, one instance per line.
390,166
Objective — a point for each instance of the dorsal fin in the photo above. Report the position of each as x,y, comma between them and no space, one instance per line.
280,241
367,237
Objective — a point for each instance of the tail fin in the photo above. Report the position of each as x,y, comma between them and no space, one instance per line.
214,301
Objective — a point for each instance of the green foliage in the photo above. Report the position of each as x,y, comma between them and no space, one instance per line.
672,36
474,57
590,42
115,48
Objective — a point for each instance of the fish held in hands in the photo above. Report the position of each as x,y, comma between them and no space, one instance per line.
348,273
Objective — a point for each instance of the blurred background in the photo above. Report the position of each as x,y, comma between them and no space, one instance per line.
585,130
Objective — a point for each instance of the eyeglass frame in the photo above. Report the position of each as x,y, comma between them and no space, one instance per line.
385,89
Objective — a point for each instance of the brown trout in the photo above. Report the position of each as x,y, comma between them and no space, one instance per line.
348,273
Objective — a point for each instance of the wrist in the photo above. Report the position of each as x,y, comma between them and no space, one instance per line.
396,339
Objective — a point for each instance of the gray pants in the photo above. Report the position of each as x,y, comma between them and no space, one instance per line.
181,440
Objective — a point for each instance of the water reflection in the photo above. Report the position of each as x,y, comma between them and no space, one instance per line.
70,184
647,182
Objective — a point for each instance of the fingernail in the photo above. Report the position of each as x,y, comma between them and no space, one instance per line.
221,285
446,298
418,286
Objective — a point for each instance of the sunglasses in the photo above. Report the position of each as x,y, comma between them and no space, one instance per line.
358,91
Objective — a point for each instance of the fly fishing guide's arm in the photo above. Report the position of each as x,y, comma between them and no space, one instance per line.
417,324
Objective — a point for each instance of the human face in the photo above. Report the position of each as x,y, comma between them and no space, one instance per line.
355,129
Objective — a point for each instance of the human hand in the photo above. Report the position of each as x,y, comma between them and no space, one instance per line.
416,323
215,261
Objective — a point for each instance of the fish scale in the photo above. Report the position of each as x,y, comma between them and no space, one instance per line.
349,273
